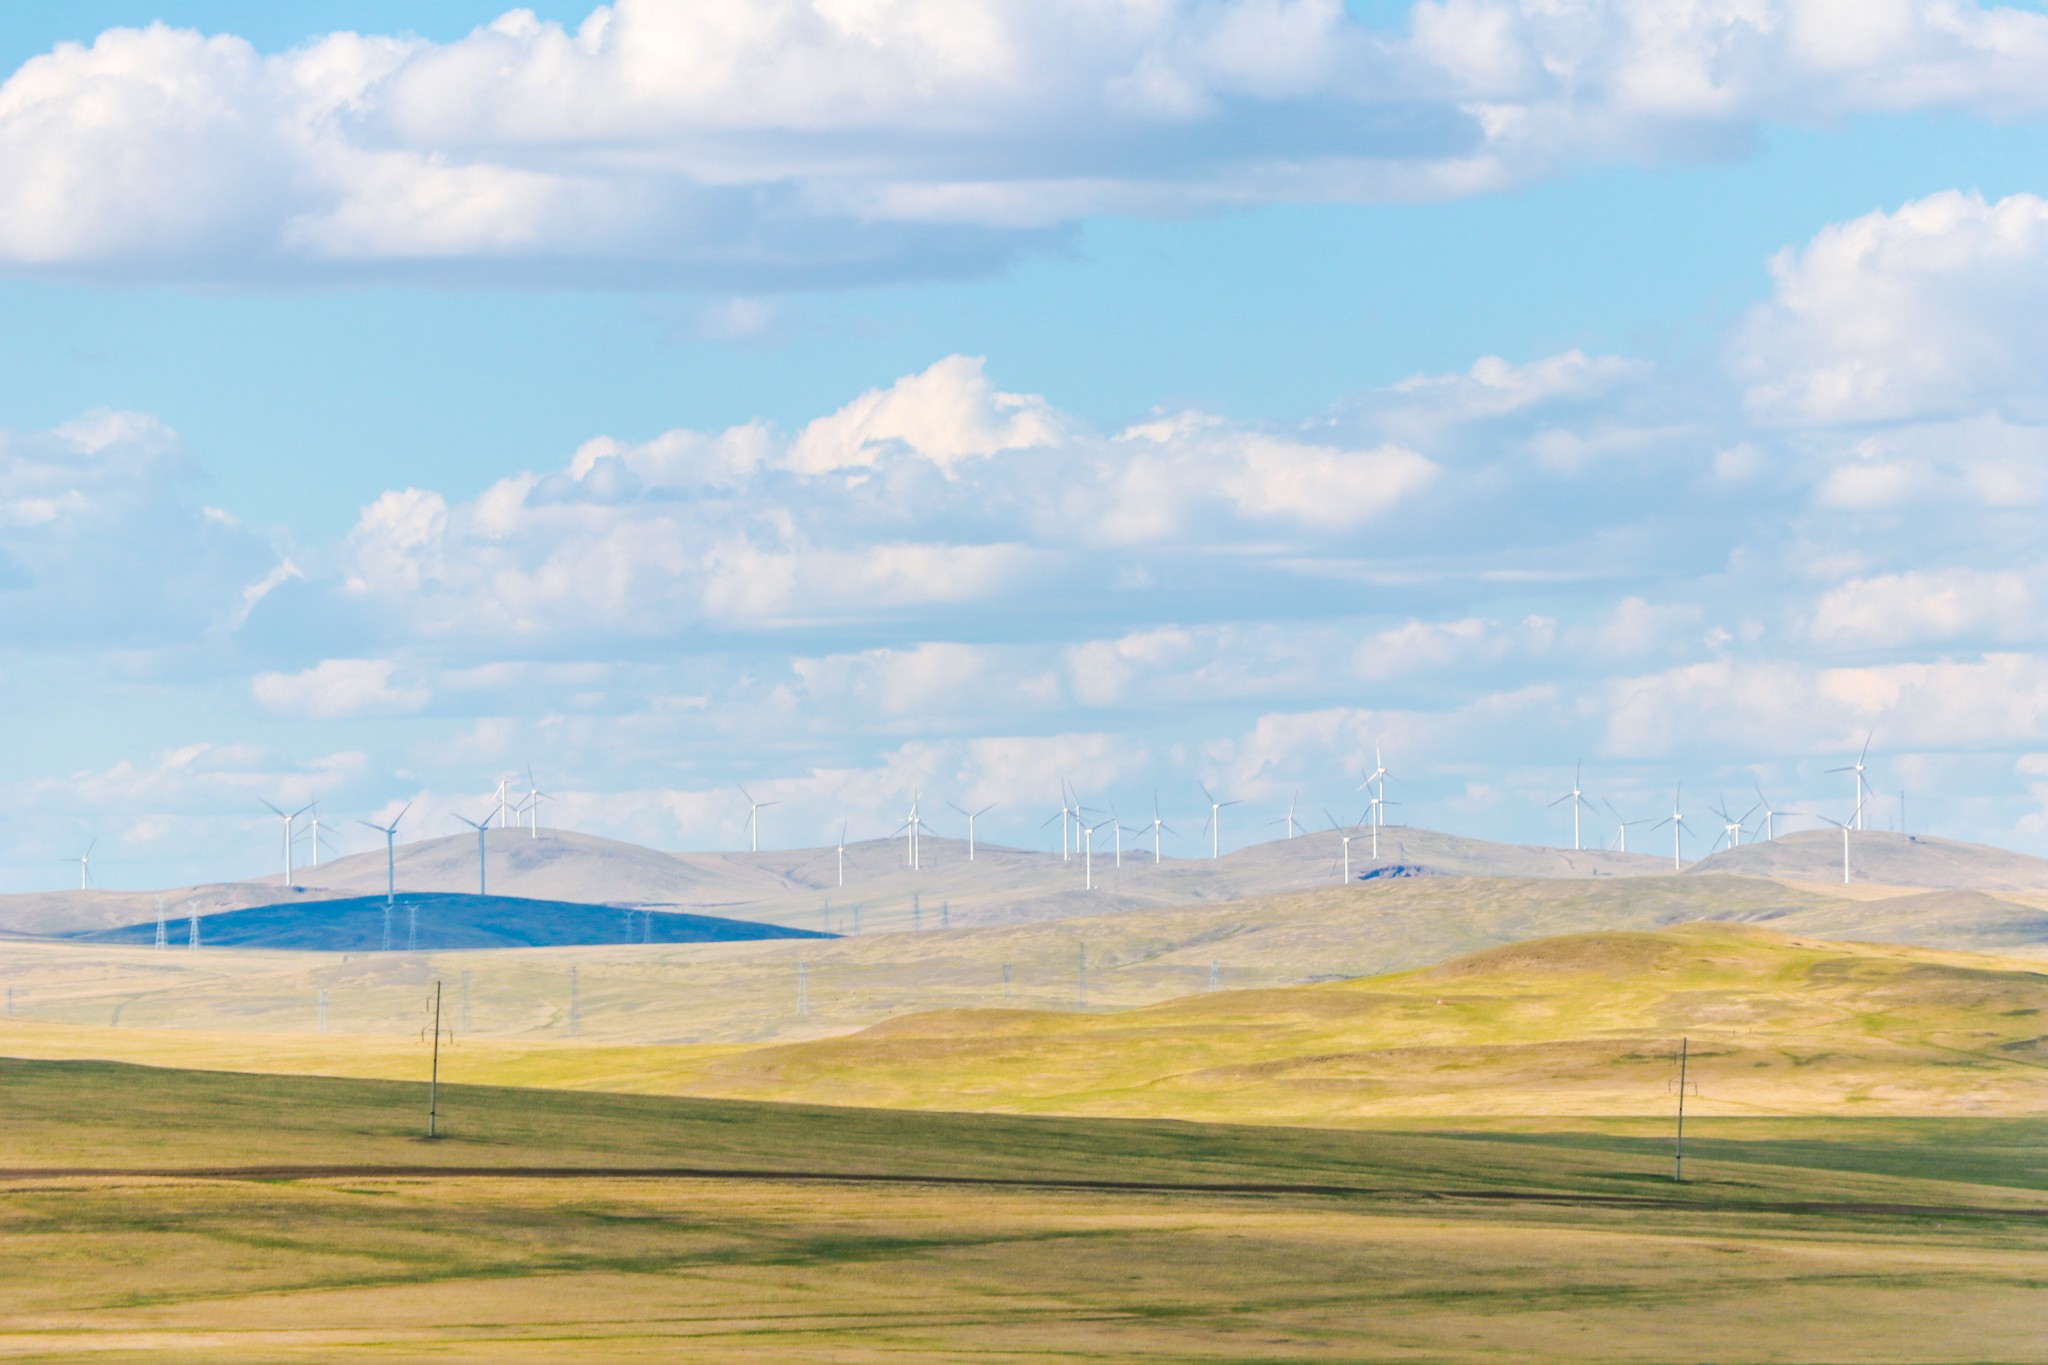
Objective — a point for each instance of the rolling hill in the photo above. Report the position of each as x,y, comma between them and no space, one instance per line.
1883,858
794,887
1586,1024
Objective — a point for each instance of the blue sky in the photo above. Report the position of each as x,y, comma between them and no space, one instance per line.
1035,395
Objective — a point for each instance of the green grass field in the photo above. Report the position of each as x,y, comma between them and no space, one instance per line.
1805,1240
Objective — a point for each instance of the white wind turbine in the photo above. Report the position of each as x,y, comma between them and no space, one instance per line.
1346,835
1862,786
1731,825
972,816
1377,807
912,829
1214,827
390,833
480,829
1157,825
534,796
503,783
1578,800
1843,826
1770,815
842,856
1088,852
754,809
1287,819
84,861
1622,825
1678,826
288,819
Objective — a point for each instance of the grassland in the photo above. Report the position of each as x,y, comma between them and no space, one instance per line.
1795,1241
746,993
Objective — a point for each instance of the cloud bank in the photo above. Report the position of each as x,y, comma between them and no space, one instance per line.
757,145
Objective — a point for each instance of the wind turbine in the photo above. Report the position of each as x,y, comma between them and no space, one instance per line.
84,862
479,828
1288,819
390,833
1731,825
1770,816
534,796
1678,826
1378,807
972,816
1214,827
1861,785
1088,851
1157,825
1844,827
1347,836
912,829
1578,800
287,833
503,782
754,809
1622,824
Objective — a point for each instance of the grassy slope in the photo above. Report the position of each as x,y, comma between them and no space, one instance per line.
746,993
1781,1249
1584,1024
1581,1025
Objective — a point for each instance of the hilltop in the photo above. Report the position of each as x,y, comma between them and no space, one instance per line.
1884,858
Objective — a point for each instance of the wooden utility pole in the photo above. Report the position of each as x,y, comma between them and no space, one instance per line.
434,1077
1678,1147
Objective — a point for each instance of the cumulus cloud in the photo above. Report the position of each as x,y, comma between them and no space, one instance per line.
336,688
103,546
1936,309
759,144
935,494
1929,606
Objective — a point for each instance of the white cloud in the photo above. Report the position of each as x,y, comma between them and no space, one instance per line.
103,547
751,144
947,414
1927,606
340,687
1935,309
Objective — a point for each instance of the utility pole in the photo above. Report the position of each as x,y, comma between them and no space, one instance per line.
1678,1147
434,1077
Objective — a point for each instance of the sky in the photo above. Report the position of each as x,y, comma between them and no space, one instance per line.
855,398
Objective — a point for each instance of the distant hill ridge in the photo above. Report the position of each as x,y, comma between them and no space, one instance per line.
441,921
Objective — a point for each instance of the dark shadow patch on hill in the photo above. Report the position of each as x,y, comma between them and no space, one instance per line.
439,921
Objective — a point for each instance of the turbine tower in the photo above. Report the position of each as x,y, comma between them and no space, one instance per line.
1678,826
288,819
84,862
1088,852
842,855
1346,836
1157,825
1214,827
1378,804
1770,816
1287,819
1861,786
1622,825
534,796
1578,800
754,809
479,828
390,833
972,816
